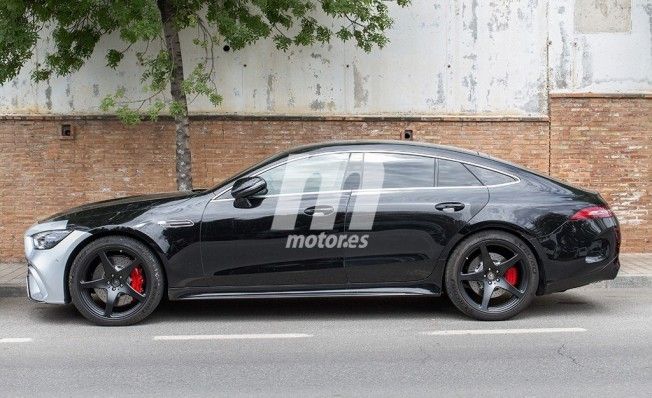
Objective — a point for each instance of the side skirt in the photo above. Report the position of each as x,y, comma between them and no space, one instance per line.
183,294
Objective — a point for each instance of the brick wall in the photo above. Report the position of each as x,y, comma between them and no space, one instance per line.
41,174
605,143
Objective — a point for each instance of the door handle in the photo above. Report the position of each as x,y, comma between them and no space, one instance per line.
449,207
319,211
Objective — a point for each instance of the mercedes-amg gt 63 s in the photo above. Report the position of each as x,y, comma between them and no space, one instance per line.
334,219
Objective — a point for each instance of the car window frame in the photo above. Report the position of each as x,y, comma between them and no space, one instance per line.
348,160
464,166
253,173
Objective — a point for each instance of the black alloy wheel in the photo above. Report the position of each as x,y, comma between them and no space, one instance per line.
492,275
116,281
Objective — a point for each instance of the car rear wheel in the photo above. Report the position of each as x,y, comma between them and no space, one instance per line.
491,276
116,281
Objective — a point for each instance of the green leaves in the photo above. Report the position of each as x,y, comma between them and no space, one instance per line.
157,72
76,27
113,58
365,21
236,22
18,36
199,83
177,109
128,115
294,22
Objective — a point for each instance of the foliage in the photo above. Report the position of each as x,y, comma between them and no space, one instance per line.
76,27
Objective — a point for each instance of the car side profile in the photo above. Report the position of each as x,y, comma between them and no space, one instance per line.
360,218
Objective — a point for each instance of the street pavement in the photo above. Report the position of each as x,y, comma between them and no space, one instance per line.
584,342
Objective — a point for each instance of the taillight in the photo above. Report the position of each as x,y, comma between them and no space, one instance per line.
592,213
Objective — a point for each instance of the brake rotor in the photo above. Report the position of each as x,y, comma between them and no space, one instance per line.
476,265
120,261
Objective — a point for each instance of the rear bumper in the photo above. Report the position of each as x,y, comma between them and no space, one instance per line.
606,272
580,252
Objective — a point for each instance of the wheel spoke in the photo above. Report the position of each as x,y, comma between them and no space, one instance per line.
96,284
503,284
111,299
505,265
486,295
127,269
136,295
109,269
472,276
487,261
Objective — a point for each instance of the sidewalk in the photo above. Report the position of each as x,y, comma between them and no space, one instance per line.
635,271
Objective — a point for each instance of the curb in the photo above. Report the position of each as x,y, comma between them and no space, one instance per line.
621,282
13,291
625,281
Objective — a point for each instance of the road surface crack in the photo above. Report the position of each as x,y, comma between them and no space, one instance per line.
563,352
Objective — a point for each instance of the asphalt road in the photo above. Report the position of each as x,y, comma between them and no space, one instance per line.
585,342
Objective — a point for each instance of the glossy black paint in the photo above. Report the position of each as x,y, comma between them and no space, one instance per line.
240,248
212,246
409,233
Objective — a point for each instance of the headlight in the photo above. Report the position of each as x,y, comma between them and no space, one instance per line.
49,239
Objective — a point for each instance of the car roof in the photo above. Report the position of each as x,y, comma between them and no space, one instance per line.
384,144
458,154
417,148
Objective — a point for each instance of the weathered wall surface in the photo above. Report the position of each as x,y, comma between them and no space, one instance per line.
602,46
445,57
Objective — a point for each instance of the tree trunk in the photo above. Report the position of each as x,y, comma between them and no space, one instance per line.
173,45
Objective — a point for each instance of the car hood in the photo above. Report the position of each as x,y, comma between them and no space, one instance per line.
140,203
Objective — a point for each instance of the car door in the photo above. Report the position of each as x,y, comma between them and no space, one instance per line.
406,211
282,238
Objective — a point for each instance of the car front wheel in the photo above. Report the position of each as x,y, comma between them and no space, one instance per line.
116,281
491,276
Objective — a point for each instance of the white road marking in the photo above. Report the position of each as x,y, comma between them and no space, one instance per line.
502,331
16,340
232,336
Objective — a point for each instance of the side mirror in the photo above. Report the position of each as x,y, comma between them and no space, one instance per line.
247,187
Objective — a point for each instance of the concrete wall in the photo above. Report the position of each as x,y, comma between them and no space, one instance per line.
600,46
445,57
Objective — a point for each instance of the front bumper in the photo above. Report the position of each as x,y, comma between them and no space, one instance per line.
46,273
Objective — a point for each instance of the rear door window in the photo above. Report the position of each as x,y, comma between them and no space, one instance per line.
388,170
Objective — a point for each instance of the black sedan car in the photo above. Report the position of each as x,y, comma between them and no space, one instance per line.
336,219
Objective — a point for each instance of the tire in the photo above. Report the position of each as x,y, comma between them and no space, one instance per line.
510,282
116,281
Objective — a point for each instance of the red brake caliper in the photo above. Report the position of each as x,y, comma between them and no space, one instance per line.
137,279
511,276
